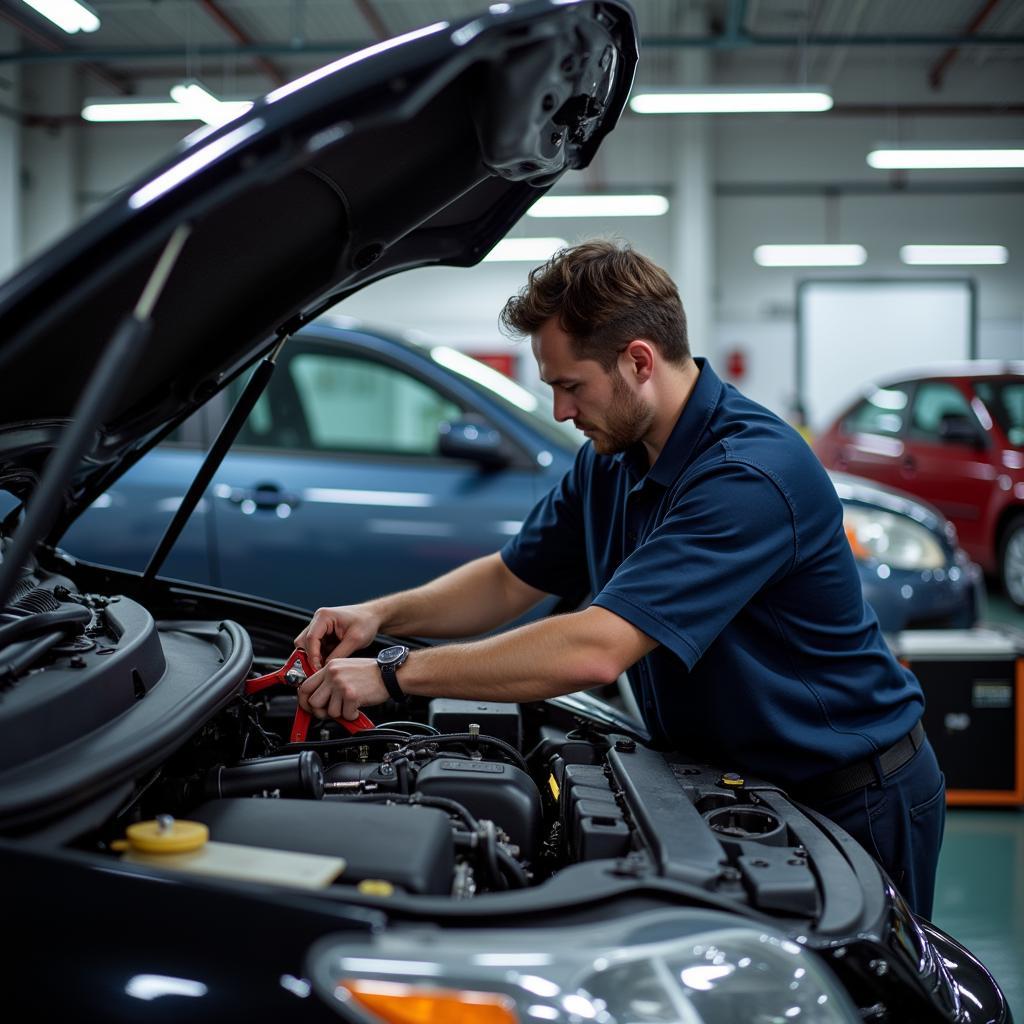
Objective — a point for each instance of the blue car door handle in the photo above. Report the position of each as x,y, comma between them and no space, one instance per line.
267,497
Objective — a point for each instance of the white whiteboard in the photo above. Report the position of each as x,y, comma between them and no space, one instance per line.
853,332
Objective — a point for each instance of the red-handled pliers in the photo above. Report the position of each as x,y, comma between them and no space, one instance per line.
294,673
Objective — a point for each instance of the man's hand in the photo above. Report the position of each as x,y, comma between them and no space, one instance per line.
337,632
342,687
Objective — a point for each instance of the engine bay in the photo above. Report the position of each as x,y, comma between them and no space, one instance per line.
124,707
444,799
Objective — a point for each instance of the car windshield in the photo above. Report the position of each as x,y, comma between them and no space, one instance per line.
520,402
1005,400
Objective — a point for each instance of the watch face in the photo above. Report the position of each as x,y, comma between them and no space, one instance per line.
391,654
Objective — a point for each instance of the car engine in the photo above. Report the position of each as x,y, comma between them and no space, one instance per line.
455,798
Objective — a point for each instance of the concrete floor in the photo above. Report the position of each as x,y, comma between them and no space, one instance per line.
979,894
979,897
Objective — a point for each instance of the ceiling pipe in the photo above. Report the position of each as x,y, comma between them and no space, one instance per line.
342,47
938,70
43,39
233,29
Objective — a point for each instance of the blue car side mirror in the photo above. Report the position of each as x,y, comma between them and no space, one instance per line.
477,442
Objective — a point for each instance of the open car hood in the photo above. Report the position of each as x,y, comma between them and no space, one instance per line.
422,150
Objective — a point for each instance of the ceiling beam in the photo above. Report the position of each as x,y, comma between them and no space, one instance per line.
340,48
233,29
938,70
373,19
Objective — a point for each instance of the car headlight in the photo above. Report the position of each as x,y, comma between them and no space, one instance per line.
720,972
894,540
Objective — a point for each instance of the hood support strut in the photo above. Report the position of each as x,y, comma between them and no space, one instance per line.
214,457
116,366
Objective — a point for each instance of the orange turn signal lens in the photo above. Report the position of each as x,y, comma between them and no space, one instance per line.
860,552
396,1003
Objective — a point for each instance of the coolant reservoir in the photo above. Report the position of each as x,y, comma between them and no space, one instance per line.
177,845
164,834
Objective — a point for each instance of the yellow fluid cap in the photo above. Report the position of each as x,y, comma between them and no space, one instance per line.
731,779
376,887
167,835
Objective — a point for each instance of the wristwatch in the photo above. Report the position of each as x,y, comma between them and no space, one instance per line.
389,661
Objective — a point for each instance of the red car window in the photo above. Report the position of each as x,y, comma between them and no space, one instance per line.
935,400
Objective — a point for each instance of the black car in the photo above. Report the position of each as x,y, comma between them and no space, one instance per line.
174,842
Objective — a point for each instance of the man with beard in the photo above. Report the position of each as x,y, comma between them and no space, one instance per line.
713,543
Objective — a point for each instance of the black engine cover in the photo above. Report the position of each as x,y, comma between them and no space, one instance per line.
407,846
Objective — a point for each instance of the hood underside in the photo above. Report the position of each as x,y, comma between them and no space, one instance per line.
419,151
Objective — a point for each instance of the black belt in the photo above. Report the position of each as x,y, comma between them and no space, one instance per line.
857,776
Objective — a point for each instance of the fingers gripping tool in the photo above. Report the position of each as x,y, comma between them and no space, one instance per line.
293,673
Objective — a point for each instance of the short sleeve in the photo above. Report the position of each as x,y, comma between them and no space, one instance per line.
549,552
726,534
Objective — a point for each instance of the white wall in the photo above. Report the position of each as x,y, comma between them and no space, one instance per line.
50,158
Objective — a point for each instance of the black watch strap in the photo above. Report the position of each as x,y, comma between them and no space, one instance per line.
389,661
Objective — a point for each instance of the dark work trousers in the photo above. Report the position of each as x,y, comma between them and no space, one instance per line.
899,821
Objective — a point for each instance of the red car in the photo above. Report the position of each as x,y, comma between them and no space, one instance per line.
954,436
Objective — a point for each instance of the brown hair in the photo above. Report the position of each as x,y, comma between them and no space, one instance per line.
604,294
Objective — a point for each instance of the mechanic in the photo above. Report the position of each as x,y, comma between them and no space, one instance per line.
724,585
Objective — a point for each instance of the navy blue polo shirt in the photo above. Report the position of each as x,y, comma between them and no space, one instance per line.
730,553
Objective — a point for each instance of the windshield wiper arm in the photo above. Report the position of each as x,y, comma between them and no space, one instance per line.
116,365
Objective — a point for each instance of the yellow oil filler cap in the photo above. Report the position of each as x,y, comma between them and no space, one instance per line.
731,779
376,887
164,834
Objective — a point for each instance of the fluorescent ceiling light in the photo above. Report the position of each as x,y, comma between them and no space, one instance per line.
733,100
525,250
944,159
953,255
200,102
191,102
810,255
599,206
69,15
135,110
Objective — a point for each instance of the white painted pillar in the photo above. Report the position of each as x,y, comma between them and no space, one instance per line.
10,158
50,156
692,228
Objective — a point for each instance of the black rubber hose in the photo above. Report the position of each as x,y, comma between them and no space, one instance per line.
441,802
44,622
401,766
22,656
489,842
511,868
380,735
422,728
468,737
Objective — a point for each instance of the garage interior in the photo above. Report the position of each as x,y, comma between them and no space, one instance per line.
712,190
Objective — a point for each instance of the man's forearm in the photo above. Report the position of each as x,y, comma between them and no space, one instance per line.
542,659
474,598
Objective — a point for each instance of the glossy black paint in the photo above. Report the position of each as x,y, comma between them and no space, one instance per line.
85,927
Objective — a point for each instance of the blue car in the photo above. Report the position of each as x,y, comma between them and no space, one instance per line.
372,463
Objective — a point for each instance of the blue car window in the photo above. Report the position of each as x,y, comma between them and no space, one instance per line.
352,404
936,400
